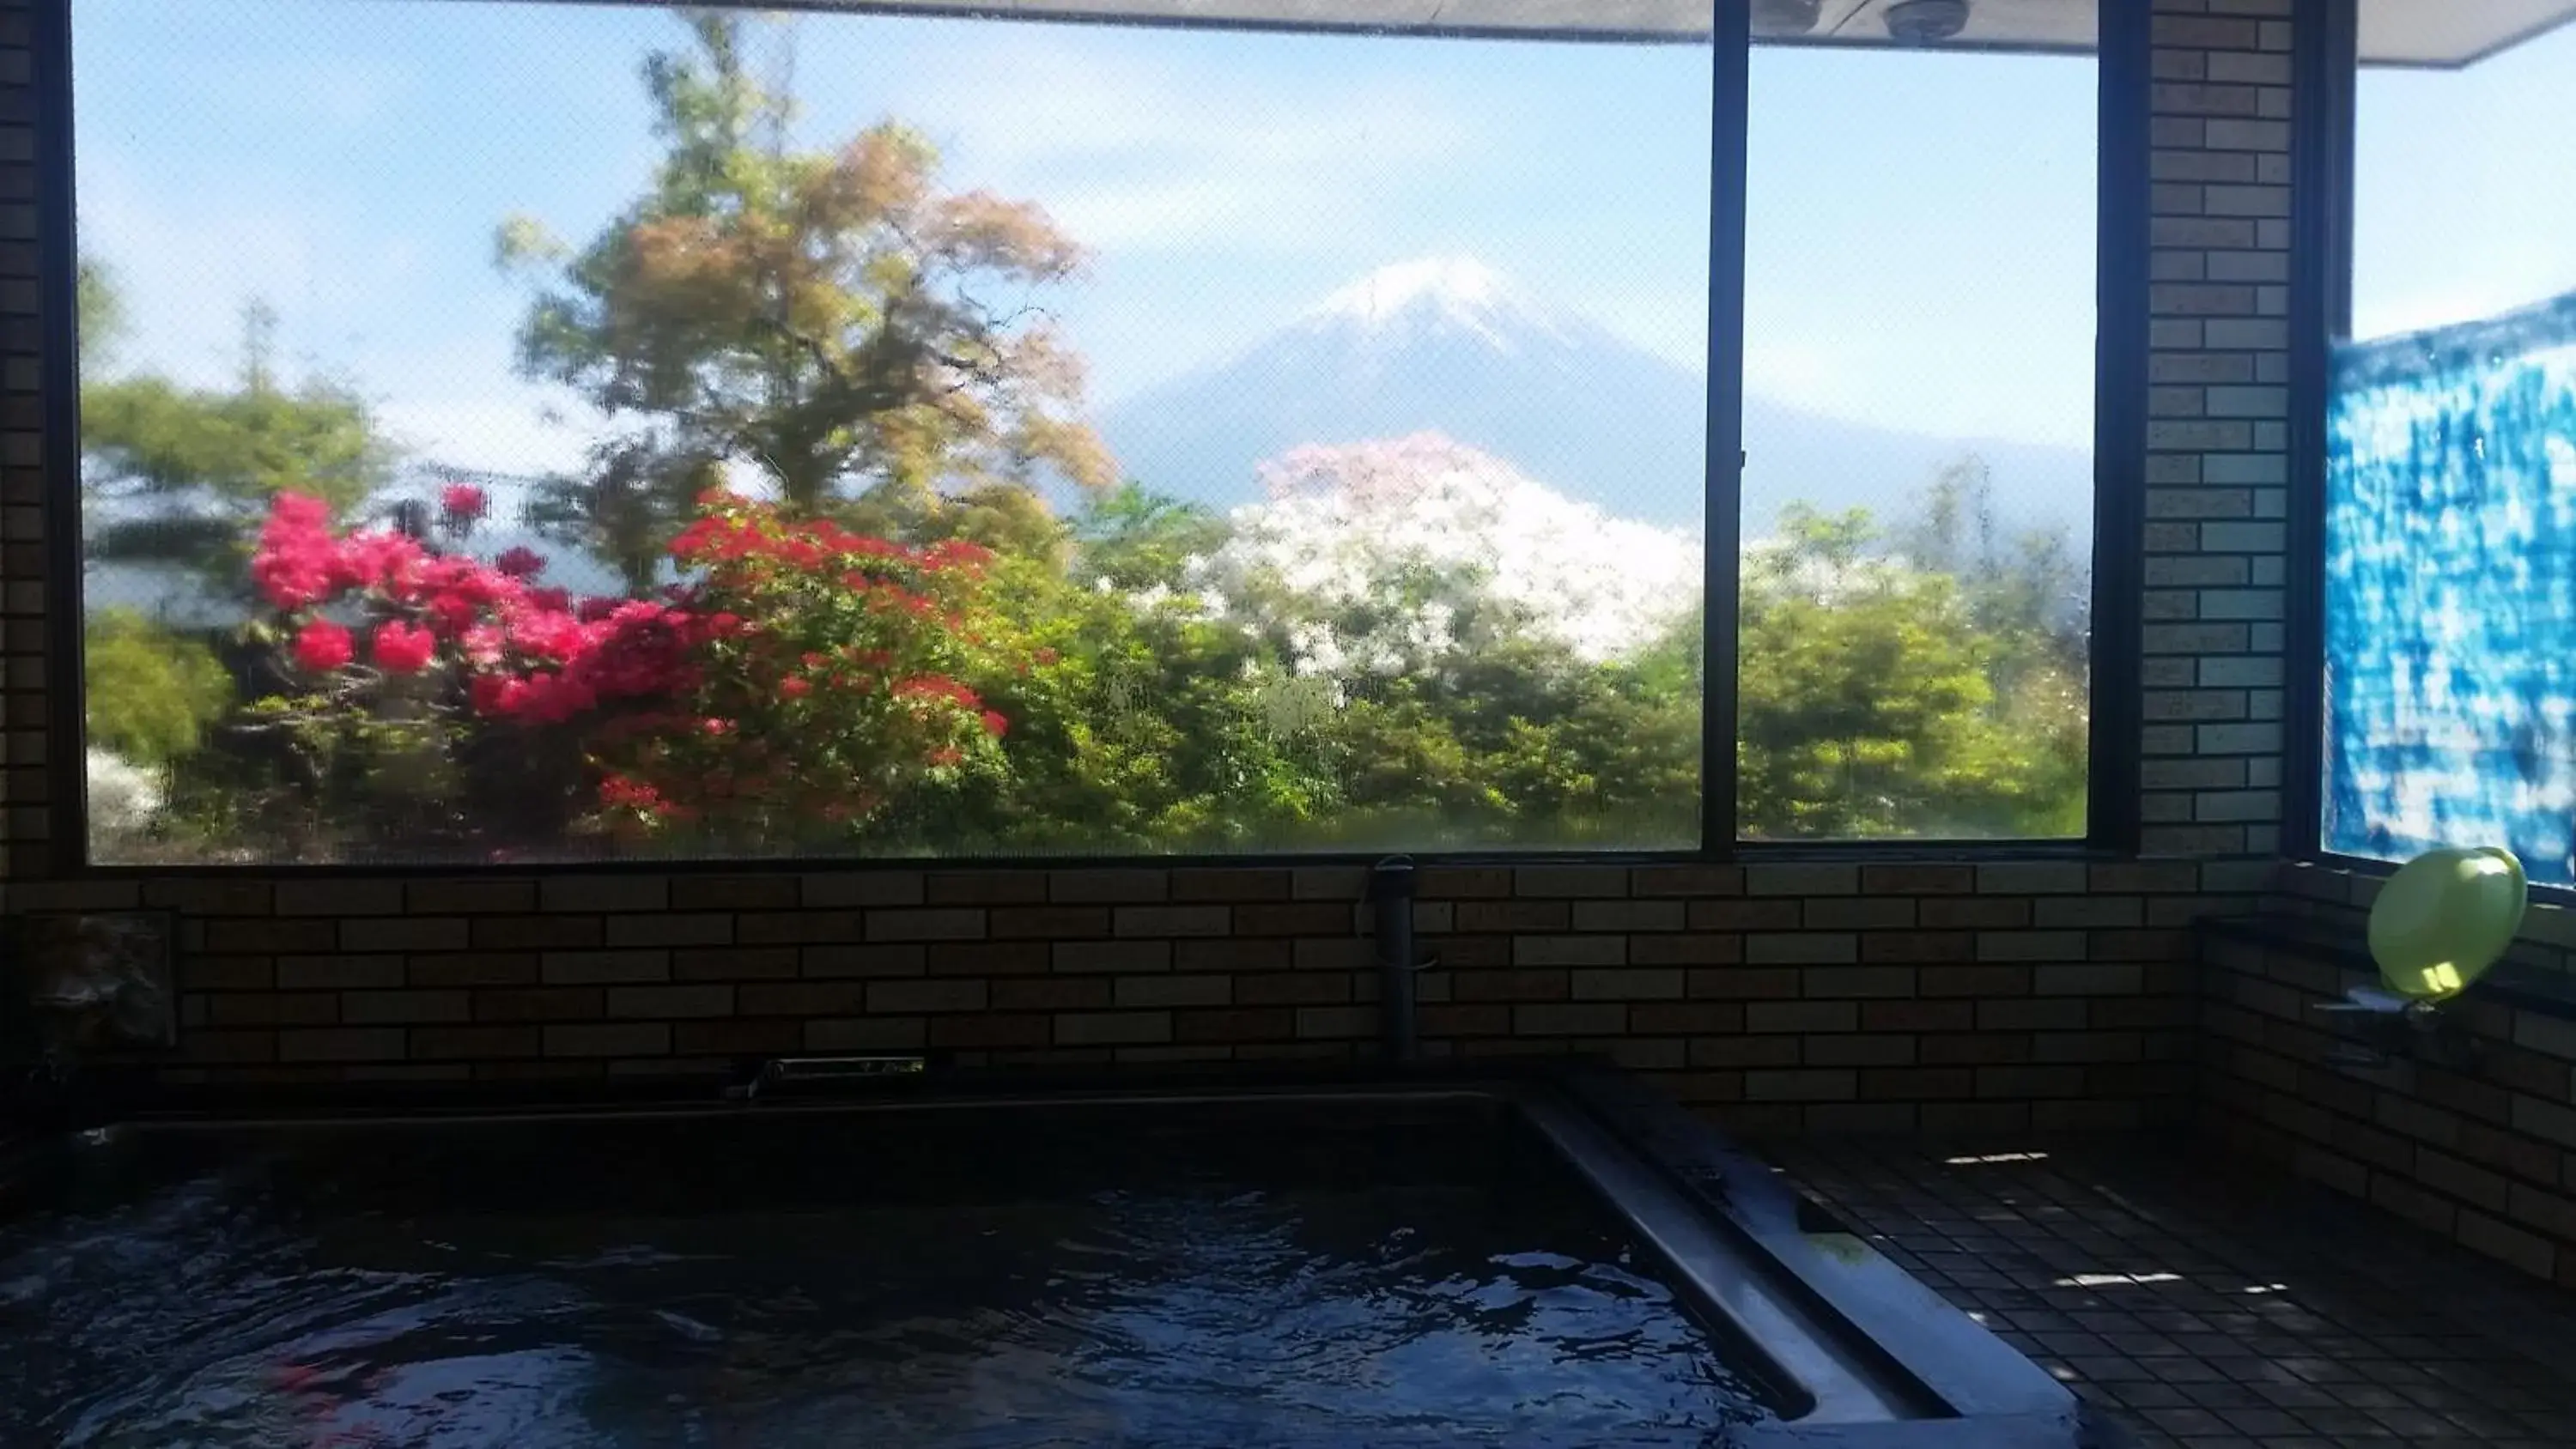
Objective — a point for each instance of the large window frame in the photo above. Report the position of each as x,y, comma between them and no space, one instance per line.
2326,66
2326,69
2119,455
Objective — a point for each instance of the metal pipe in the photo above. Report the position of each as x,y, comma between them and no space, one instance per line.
1391,890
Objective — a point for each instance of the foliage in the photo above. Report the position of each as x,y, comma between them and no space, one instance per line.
1524,745
1407,644
2030,598
1138,540
807,678
815,316
99,308
812,688
822,676
1140,726
1395,557
150,694
1869,704
179,475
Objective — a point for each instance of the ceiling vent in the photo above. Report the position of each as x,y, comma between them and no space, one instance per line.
1924,22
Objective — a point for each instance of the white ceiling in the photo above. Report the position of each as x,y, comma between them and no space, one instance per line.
2453,32
2393,32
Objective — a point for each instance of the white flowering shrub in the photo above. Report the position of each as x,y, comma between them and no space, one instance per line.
124,798
1396,557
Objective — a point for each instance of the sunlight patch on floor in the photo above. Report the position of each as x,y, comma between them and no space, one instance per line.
2113,1280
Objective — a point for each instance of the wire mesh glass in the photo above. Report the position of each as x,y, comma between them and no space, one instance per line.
1915,631
2450,588
519,431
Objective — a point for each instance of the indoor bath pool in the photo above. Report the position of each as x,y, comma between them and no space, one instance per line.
1536,1261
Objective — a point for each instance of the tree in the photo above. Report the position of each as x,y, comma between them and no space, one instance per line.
2027,591
818,317
2028,596
1139,539
1525,745
100,308
180,475
1869,702
1860,684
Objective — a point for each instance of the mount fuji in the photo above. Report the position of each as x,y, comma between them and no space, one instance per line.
1449,345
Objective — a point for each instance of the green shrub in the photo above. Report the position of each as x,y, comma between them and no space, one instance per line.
151,693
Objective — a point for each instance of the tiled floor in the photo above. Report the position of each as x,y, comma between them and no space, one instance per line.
2210,1305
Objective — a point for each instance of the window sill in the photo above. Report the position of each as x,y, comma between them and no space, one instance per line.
1853,852
2538,990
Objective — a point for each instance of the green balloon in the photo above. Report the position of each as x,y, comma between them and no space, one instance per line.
2444,918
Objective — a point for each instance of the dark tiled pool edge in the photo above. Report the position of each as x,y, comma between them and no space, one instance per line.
2001,1397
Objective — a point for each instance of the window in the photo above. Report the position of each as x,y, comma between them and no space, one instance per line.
518,431
2450,548
883,435
1918,431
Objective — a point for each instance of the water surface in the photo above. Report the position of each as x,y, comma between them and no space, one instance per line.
265,1299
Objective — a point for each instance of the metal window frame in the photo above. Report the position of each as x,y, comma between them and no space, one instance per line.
2120,391
2123,235
2325,66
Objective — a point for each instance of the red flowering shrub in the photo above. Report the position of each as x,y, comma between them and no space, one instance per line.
828,681
296,564
321,646
402,648
807,677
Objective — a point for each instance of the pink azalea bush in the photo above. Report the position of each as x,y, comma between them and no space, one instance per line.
804,680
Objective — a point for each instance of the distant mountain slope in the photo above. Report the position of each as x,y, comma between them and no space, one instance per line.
1447,345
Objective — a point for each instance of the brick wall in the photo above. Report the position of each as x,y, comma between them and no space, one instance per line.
2217,464
1944,996
1948,997
2480,1147
2337,901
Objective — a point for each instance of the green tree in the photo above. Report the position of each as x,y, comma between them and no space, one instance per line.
2026,591
817,316
180,475
1138,539
1524,745
1137,728
100,307
2028,597
1863,703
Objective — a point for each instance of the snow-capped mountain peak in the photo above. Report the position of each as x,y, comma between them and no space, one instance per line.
1453,281
1450,345
1458,290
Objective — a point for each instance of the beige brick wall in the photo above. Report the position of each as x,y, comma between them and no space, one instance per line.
1946,996
1953,997
2217,465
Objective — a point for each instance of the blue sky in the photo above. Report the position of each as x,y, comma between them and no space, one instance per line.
1921,231
348,159
2462,195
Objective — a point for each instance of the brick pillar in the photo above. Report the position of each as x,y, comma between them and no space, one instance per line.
2217,466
